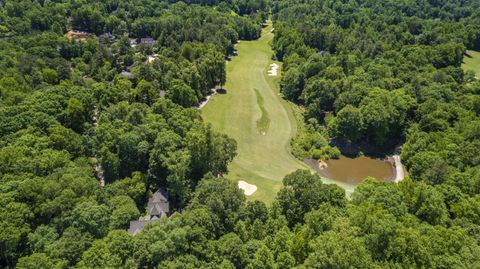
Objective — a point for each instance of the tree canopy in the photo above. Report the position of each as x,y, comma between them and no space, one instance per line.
97,112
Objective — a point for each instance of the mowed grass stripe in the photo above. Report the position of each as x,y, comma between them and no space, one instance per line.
264,121
262,160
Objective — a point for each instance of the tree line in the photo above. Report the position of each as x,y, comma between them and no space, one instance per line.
376,73
309,225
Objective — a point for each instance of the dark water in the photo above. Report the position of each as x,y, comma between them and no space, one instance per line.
354,170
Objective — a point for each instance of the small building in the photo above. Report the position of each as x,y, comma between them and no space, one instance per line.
147,41
108,37
158,207
127,74
324,52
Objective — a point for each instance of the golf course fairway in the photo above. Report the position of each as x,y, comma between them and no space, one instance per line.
255,115
472,62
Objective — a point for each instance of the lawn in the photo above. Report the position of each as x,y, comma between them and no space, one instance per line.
472,62
254,114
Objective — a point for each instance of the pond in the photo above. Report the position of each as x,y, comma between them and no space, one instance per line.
354,170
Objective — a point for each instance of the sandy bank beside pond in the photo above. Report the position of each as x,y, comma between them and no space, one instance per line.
399,175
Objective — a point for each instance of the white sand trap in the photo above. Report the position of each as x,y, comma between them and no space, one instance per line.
248,189
273,70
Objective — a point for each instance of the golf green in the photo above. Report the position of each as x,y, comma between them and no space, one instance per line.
253,113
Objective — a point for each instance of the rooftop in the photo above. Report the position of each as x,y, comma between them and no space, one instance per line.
158,207
147,40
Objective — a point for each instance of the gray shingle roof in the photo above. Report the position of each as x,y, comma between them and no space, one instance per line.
158,207
147,40
158,204
136,226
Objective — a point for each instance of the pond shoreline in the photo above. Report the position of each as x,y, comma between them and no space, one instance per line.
394,161
366,149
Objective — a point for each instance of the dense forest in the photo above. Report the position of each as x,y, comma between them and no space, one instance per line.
90,127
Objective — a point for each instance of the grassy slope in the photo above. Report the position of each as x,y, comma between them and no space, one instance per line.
472,62
262,160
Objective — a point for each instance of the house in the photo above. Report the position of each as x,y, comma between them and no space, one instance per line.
107,36
147,41
324,52
127,74
158,207
136,226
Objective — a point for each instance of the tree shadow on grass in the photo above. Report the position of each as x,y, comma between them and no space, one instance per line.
221,91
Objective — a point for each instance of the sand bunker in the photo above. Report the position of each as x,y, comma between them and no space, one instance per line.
249,189
273,70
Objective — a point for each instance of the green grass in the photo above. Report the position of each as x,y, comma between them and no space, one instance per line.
264,121
252,102
471,61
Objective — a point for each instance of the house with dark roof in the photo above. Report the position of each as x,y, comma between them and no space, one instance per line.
158,207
